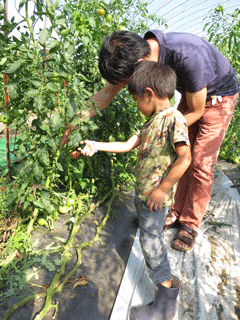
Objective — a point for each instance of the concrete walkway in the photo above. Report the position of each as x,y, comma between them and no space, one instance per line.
210,273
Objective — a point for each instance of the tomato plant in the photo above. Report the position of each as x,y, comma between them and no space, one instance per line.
50,78
52,73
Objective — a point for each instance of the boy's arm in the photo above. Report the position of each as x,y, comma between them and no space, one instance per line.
156,198
92,146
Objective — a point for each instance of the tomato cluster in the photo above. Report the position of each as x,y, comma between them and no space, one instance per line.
69,205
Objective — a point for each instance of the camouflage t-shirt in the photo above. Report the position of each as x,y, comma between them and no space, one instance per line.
156,153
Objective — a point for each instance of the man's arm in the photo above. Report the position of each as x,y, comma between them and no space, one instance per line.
102,100
116,147
196,102
156,198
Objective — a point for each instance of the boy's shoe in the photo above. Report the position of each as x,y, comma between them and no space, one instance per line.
162,308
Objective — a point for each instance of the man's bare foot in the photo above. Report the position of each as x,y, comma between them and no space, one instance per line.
171,222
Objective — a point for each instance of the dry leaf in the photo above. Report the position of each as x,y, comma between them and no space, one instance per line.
81,282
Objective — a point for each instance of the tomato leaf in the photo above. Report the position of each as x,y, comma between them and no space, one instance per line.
56,122
14,66
32,93
38,204
3,61
43,157
38,171
52,86
59,166
44,35
45,197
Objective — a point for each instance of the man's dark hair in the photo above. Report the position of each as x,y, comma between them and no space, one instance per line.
157,76
119,54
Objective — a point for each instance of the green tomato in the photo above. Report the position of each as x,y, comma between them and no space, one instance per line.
6,118
70,202
42,222
223,154
236,160
100,12
63,209
108,17
122,28
219,8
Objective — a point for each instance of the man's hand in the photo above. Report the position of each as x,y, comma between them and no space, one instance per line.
156,199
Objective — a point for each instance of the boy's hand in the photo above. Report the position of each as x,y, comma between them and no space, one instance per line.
88,149
156,199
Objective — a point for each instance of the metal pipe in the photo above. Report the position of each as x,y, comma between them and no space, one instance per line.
192,13
198,18
169,10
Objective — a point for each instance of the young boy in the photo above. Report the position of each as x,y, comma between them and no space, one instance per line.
163,157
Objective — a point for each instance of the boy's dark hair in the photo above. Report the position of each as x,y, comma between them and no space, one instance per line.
157,76
119,54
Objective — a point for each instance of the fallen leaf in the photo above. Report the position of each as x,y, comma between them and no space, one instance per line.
81,282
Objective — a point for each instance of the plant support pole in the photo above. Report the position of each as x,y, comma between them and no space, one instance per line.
6,97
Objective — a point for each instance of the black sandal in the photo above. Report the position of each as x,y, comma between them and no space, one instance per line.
174,222
187,239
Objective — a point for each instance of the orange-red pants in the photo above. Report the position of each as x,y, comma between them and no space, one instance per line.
206,136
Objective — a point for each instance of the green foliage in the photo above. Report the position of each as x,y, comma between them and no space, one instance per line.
51,76
224,32
52,73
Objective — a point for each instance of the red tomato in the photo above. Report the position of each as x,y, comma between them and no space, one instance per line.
74,154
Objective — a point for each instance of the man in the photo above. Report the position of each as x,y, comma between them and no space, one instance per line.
209,88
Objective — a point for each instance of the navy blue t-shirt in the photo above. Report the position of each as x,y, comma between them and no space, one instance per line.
197,63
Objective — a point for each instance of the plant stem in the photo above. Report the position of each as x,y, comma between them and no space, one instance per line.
30,28
33,219
22,303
